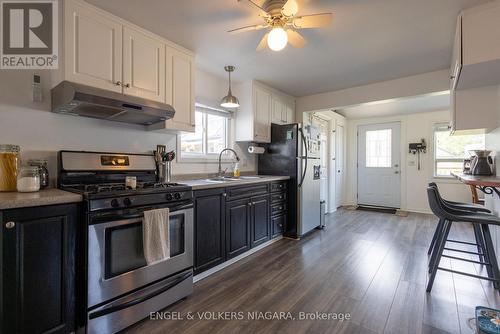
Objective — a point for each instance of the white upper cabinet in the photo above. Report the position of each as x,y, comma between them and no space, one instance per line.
475,69
262,112
107,52
180,89
93,48
259,107
476,56
143,65
282,112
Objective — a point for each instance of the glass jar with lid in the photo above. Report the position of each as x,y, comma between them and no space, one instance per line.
28,179
43,170
9,161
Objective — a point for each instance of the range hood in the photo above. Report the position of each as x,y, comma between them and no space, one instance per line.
76,99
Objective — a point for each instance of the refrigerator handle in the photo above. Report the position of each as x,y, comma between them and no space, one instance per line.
304,141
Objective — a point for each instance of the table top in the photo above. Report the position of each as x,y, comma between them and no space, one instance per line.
478,180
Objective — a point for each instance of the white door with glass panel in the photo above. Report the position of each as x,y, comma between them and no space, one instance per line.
379,171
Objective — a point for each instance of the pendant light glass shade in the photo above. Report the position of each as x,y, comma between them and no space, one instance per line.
229,101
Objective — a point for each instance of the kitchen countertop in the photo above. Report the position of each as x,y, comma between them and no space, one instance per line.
14,200
204,184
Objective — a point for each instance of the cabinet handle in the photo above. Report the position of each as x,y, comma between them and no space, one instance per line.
224,195
10,225
249,204
126,85
118,83
281,208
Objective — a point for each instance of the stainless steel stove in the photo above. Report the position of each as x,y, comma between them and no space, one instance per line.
121,288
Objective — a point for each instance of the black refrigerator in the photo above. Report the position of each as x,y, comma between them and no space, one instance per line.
294,152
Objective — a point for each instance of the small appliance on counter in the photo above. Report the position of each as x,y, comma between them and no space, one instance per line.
481,163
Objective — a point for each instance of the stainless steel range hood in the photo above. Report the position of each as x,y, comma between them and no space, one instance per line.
75,99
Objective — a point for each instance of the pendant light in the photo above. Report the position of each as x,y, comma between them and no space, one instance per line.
229,101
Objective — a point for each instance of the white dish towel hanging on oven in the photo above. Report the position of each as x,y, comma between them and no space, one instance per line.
156,239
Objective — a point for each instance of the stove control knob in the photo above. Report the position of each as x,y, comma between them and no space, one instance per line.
177,196
114,203
127,201
169,197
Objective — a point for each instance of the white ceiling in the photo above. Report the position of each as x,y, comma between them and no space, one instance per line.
402,106
369,41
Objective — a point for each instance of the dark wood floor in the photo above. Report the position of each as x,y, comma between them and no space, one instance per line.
371,265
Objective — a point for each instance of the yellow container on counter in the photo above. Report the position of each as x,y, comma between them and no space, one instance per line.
9,164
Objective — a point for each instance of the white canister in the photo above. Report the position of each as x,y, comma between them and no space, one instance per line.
28,179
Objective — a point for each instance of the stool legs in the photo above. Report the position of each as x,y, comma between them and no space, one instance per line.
435,236
437,253
492,259
480,242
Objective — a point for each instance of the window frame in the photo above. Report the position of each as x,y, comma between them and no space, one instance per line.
437,128
205,156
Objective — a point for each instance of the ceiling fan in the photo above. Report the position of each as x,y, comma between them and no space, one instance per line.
281,19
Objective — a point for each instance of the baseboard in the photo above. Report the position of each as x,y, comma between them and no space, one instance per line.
221,266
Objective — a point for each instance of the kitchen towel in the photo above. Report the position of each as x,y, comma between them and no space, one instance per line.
156,239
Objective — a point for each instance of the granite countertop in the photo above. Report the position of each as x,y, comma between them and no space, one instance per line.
200,184
13,200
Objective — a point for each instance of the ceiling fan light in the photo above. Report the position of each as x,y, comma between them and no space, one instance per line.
277,39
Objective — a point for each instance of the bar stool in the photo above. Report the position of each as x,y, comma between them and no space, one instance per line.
448,216
468,209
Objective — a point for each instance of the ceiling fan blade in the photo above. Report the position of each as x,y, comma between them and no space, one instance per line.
295,39
253,3
290,8
263,43
313,21
247,28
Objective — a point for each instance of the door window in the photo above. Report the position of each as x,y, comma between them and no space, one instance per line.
124,248
378,148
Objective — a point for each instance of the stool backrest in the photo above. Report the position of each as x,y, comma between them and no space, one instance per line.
435,203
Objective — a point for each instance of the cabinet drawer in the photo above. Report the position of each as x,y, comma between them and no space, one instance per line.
278,186
278,225
278,197
278,208
249,191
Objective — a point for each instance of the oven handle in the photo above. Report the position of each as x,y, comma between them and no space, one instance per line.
139,300
141,213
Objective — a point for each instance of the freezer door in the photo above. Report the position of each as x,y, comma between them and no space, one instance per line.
309,197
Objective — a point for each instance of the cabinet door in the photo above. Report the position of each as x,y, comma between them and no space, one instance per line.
38,260
180,89
143,65
278,225
262,121
93,48
260,220
209,231
277,111
288,114
237,227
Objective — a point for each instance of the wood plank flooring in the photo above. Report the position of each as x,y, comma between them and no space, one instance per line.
368,264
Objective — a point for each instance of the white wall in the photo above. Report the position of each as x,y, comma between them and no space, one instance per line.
414,182
41,133
421,84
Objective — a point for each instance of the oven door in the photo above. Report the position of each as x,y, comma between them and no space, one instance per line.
116,263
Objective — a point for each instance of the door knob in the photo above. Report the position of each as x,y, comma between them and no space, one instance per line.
10,225
118,83
126,85
396,172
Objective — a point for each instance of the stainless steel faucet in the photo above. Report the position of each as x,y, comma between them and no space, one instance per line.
220,173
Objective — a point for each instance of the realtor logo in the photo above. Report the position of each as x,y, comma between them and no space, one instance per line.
29,35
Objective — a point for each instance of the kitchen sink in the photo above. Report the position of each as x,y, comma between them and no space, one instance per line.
250,177
221,179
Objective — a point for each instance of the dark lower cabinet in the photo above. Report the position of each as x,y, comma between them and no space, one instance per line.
260,226
38,269
237,227
230,221
209,230
278,225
